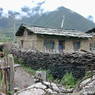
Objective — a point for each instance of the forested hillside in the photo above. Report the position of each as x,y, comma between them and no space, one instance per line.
52,19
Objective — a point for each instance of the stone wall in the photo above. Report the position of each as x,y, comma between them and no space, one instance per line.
58,64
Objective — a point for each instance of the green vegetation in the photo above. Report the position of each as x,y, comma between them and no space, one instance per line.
88,74
72,20
4,37
50,77
68,80
18,60
10,92
27,68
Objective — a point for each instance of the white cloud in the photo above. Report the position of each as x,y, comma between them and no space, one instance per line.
15,5
51,5
83,7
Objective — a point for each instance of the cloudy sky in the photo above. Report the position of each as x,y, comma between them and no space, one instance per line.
83,7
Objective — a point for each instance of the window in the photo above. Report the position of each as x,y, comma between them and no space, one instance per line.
61,45
76,45
25,33
22,43
49,44
92,46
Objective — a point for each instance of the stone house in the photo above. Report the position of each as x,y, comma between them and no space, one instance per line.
92,40
52,40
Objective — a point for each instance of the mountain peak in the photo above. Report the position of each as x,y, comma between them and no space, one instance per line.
53,19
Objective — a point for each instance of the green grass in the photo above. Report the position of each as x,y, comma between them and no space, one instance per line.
29,69
33,72
50,77
68,80
25,67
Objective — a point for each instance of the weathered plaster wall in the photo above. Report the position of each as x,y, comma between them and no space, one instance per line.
85,45
69,46
36,42
29,42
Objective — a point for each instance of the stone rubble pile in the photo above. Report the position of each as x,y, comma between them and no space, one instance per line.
57,64
47,88
44,88
89,86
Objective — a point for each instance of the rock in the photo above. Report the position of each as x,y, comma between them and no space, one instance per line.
43,88
32,91
2,93
58,65
22,78
16,89
47,88
40,76
38,85
52,86
88,86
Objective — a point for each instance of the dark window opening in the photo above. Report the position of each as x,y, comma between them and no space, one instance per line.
22,43
61,45
92,46
49,44
76,45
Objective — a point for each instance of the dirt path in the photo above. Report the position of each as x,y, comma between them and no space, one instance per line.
22,78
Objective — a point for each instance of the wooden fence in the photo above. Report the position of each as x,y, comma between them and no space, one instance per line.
7,74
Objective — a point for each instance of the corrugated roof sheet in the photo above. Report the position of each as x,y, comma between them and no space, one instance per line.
58,32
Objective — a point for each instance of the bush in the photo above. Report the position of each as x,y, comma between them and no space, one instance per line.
68,80
50,77
18,60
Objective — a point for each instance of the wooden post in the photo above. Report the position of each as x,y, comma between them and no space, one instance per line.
11,75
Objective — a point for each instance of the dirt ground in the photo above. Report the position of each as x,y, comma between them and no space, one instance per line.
22,79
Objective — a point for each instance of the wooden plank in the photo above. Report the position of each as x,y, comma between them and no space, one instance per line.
11,76
8,67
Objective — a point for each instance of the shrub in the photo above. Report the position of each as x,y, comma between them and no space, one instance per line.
18,60
68,80
50,77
